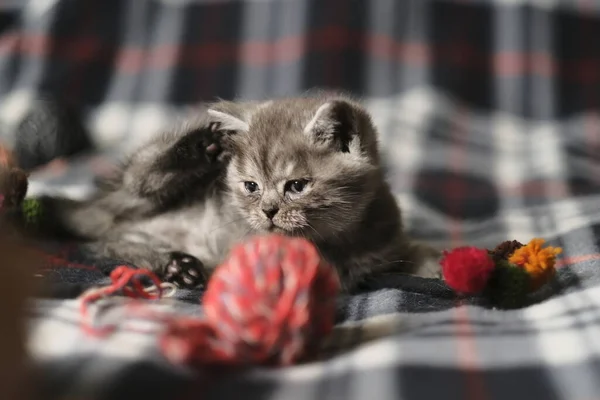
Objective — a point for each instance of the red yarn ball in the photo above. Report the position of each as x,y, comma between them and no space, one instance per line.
270,302
467,270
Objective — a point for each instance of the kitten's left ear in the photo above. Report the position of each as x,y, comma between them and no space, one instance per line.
228,122
334,125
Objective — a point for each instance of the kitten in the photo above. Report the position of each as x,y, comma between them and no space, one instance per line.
306,166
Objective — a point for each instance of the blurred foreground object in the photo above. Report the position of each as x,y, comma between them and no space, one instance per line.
51,129
13,181
17,266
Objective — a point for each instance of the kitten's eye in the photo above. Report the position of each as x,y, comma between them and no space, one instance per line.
296,186
251,187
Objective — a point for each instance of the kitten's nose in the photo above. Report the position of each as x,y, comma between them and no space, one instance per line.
270,212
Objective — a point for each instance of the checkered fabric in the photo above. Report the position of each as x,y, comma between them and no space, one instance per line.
489,112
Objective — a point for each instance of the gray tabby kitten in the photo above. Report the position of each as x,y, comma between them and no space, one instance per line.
306,166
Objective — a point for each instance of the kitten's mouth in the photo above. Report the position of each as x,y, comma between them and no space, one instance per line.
275,229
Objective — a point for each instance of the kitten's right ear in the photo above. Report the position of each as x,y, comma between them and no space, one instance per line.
228,122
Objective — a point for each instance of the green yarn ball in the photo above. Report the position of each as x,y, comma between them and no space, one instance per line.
32,211
508,286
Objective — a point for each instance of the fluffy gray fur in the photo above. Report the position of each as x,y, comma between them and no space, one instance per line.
306,166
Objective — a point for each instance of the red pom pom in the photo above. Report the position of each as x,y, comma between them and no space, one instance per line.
467,269
270,302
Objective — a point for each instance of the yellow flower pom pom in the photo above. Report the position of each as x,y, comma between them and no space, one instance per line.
537,261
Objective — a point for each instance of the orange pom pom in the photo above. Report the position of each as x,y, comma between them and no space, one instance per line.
537,261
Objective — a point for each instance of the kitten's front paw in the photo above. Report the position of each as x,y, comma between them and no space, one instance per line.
197,150
211,142
184,271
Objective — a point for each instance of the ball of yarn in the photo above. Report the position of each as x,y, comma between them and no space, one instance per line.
270,302
51,129
467,269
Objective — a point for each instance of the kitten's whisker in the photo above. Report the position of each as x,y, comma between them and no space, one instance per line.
314,230
248,231
226,224
384,262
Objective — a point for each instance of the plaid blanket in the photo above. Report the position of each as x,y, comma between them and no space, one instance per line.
489,118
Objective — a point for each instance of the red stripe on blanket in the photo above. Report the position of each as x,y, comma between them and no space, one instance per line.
568,261
458,53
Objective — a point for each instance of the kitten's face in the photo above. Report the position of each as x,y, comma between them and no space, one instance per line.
295,190
284,181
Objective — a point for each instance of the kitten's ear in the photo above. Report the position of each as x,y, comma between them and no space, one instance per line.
334,125
228,122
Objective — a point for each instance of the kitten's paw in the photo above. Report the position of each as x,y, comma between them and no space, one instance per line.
184,271
430,268
197,150
211,141
427,261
